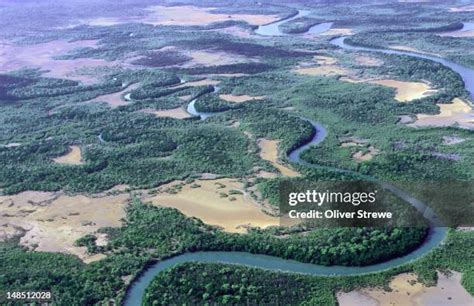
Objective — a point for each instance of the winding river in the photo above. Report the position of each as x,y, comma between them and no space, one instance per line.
435,237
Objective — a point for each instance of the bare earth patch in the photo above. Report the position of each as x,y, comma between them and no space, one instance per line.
208,58
338,32
213,202
327,66
269,151
191,15
406,291
53,221
458,113
73,157
368,61
240,99
205,82
14,57
361,156
322,70
407,91
116,99
178,113
353,141
324,60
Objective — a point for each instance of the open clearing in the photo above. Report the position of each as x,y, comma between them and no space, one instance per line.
213,58
213,202
361,156
116,99
204,82
239,99
269,152
364,60
338,32
178,113
53,221
327,66
322,70
407,91
406,291
192,15
178,16
458,112
73,157
14,57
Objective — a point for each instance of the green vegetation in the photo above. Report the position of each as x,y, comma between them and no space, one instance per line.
42,116
227,284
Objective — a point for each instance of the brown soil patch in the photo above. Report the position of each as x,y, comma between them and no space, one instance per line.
368,61
52,222
325,60
361,156
212,202
269,151
407,91
208,58
322,70
353,141
178,113
191,15
458,113
339,32
406,291
118,98
240,99
73,157
14,57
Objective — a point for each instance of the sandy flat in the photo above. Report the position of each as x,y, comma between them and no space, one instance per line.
73,157
191,15
360,156
269,151
52,222
14,57
322,70
406,291
465,8
178,113
206,203
324,60
407,91
205,82
368,61
116,99
214,58
458,112
239,99
338,31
